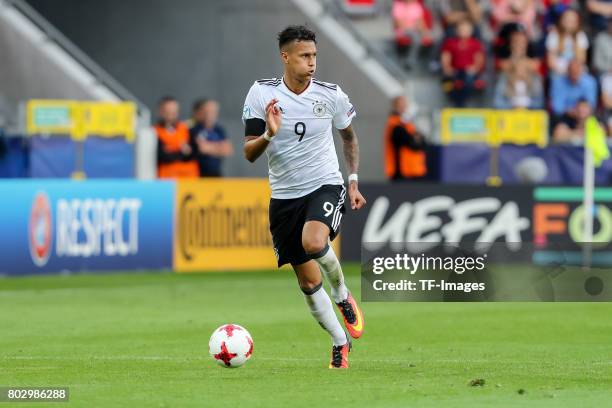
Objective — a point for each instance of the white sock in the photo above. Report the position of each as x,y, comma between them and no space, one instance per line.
322,309
330,266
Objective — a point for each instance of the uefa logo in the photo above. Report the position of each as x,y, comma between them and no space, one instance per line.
39,234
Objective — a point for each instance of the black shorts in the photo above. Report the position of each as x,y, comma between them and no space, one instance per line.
288,216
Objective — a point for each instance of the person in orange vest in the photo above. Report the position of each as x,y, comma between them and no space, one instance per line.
404,146
175,147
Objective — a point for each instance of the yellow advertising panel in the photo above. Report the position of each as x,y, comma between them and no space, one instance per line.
109,119
222,224
466,125
494,127
521,127
79,119
49,116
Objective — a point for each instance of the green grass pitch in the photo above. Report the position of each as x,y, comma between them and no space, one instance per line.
141,340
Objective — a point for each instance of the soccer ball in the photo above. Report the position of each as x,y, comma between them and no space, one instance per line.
231,345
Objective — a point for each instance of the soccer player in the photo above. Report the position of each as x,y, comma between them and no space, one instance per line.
291,118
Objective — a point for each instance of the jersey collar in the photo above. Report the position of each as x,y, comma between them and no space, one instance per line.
304,92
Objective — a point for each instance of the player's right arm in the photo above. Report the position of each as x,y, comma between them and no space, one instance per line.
254,145
261,123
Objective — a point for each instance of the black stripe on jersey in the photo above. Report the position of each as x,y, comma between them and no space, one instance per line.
269,82
325,84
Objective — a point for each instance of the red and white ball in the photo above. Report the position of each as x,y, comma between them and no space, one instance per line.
231,345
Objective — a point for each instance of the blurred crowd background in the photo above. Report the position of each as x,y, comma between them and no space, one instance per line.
509,54
423,74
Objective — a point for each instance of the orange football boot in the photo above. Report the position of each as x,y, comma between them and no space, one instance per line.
353,317
339,357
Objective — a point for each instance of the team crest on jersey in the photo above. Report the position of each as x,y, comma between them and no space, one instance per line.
319,108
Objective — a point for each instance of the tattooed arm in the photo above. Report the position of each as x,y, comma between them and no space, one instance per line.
351,156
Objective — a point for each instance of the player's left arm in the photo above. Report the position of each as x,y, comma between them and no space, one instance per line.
351,156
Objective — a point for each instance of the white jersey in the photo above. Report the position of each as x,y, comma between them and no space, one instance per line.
301,156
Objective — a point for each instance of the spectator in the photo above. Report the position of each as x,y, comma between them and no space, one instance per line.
210,138
602,62
570,129
567,90
553,10
175,148
520,87
519,49
602,53
502,44
606,98
463,61
454,11
405,157
450,13
411,30
566,42
514,11
600,12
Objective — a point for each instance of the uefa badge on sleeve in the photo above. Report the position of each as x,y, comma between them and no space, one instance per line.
246,112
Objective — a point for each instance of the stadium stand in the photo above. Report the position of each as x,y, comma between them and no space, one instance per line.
529,46
413,24
42,63
510,63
